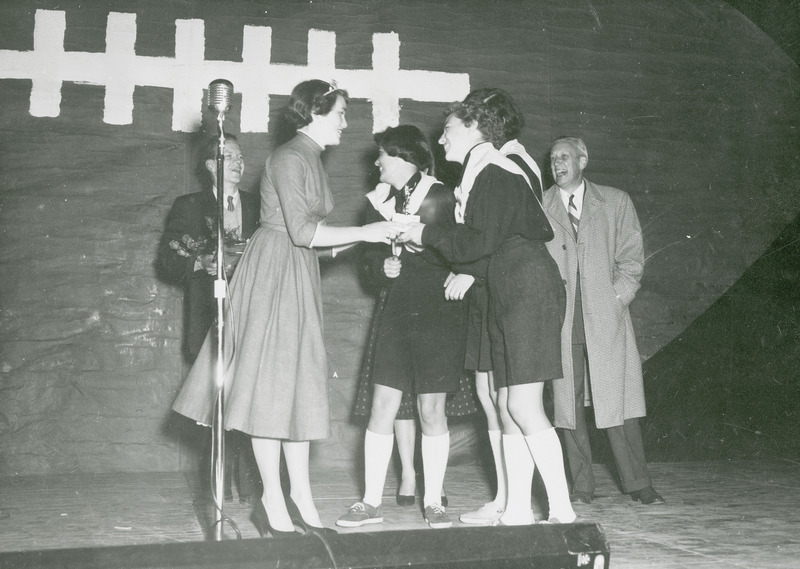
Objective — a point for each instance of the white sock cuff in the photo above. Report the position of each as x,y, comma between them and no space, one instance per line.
516,438
544,433
378,436
436,439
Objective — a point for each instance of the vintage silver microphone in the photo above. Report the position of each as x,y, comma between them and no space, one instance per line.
220,94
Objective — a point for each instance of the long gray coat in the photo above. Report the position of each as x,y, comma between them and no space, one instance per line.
610,254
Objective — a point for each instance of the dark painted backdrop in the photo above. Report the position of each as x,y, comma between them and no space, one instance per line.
687,105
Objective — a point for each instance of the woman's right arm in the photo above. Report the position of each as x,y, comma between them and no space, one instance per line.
288,173
331,236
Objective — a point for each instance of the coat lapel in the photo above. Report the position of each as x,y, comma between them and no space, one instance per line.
592,199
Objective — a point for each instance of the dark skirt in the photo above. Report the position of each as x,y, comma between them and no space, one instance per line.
478,355
420,341
416,344
527,302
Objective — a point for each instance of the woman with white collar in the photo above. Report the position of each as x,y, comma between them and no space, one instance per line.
418,346
502,226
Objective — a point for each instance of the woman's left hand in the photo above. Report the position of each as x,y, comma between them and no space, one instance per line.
412,234
457,285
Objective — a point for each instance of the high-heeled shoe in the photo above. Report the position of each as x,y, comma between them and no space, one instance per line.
261,521
297,519
405,499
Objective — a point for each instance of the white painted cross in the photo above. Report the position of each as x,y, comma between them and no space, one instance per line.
120,70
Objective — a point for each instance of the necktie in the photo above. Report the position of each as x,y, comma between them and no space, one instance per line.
572,211
230,203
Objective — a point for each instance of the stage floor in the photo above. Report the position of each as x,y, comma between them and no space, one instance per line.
717,514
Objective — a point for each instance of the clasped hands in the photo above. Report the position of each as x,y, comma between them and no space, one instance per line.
397,233
412,233
401,232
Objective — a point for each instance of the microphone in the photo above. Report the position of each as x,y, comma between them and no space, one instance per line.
220,93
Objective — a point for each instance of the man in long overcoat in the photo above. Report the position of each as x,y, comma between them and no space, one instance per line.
599,252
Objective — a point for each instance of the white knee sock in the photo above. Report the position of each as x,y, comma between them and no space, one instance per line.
435,451
377,454
496,441
546,451
519,470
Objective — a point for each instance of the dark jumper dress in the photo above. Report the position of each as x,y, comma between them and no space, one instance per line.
416,341
505,228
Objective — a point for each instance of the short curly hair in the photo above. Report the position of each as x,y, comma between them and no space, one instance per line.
312,97
495,113
407,142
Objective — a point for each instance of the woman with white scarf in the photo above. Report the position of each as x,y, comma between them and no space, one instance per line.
418,346
501,225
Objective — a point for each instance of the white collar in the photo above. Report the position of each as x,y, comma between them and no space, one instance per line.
235,193
477,159
514,147
378,197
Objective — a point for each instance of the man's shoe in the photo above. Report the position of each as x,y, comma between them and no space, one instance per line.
581,496
485,516
360,514
437,517
646,496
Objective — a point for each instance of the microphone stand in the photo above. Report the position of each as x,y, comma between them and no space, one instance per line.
220,293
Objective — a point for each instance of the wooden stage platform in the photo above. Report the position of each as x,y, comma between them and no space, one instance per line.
717,514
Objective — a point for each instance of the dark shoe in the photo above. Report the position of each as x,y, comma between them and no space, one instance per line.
360,514
249,499
646,496
436,517
297,519
403,500
261,521
581,496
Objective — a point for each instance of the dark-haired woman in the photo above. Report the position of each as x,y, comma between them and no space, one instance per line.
503,224
275,361
418,346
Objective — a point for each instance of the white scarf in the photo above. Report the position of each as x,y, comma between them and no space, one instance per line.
479,158
386,208
514,147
